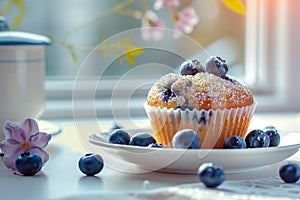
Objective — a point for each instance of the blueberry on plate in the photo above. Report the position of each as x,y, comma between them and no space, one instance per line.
217,66
257,139
274,136
115,126
186,139
290,173
91,164
234,142
155,145
210,175
28,164
142,139
119,136
191,67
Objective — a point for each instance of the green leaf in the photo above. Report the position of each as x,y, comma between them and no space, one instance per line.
130,55
7,7
73,54
121,61
131,51
20,4
50,37
17,20
236,6
62,43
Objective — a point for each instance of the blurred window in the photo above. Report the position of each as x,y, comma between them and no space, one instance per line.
86,38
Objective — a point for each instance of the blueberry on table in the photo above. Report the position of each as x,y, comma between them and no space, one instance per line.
91,164
28,164
257,139
142,139
273,135
191,67
217,66
210,175
186,139
119,136
290,173
234,142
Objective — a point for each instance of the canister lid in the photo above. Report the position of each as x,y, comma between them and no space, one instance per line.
8,37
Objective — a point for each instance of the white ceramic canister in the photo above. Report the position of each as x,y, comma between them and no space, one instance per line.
22,72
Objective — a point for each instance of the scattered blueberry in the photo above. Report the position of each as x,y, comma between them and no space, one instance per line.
217,66
119,136
155,145
167,94
272,132
257,138
91,164
234,142
142,139
186,139
211,175
28,164
290,173
191,67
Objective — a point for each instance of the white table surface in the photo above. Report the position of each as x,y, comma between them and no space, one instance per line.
60,178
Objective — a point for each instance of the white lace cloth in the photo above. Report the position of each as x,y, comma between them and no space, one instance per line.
257,189
267,188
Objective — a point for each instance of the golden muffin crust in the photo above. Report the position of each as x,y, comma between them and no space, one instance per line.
199,91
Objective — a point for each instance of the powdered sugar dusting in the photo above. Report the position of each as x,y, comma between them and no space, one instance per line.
202,91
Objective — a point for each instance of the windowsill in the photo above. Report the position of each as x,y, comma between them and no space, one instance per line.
91,100
62,104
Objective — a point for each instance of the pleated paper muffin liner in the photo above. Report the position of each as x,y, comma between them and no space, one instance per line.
212,126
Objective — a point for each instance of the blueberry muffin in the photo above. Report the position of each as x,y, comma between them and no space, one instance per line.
203,98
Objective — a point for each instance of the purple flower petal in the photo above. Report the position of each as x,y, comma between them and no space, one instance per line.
9,147
11,131
24,137
30,127
9,161
185,21
41,152
152,27
166,3
39,140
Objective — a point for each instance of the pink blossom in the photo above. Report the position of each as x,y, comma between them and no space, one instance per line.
23,137
166,3
152,27
185,21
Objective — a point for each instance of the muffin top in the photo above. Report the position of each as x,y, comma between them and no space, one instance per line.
199,87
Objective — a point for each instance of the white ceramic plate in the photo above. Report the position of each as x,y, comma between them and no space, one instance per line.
188,161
